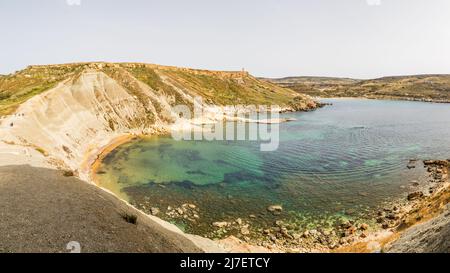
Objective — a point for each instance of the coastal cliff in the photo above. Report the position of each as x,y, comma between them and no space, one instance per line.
89,105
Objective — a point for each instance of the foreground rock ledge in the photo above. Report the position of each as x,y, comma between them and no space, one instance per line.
42,211
430,237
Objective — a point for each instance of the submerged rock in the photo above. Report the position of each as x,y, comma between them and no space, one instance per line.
245,230
220,224
275,209
351,230
364,226
415,195
436,162
154,211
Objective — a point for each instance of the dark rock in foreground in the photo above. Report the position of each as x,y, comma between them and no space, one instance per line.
44,211
430,237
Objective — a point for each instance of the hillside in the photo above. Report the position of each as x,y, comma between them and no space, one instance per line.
64,115
434,88
22,85
216,87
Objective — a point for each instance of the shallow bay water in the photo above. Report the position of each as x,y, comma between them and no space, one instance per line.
341,161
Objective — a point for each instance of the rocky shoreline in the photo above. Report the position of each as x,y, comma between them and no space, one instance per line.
345,236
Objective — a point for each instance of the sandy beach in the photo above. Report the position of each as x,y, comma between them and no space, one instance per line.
94,158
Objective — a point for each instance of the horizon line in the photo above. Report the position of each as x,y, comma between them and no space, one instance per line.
227,71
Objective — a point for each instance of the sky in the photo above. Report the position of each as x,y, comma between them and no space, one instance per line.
268,38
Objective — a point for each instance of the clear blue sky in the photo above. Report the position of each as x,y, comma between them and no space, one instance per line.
349,38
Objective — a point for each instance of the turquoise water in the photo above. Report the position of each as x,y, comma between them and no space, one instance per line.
341,161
